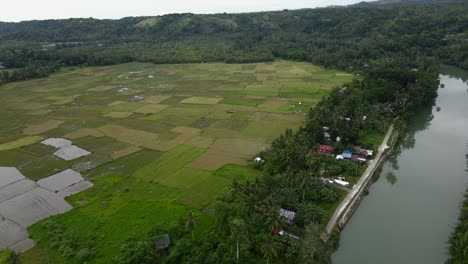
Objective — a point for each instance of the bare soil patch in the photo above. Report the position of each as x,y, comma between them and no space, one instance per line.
125,152
84,132
227,151
42,128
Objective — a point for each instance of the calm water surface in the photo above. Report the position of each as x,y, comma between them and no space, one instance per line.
409,213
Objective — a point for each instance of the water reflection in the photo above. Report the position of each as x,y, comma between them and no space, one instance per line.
420,122
454,72
391,177
409,214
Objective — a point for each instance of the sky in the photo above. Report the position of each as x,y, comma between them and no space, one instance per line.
20,10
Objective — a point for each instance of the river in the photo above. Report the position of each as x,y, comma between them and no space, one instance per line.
411,210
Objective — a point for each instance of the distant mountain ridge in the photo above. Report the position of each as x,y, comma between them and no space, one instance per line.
345,37
394,2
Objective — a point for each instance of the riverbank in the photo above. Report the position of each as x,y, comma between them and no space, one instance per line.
408,215
346,208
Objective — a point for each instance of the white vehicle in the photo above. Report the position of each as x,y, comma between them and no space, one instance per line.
342,183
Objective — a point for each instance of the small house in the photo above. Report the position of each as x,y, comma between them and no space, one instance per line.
363,152
259,160
162,242
326,149
288,215
347,154
354,157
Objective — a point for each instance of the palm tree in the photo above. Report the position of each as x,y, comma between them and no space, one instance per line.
304,181
459,248
238,233
314,164
252,204
313,249
258,188
290,178
192,221
235,185
270,249
274,220
267,205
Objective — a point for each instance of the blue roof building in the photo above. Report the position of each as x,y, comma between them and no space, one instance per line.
347,154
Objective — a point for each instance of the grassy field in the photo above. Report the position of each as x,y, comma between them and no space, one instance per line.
165,139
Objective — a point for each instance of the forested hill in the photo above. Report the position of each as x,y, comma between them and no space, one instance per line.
389,2
343,37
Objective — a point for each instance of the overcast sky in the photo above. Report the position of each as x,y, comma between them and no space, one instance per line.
19,10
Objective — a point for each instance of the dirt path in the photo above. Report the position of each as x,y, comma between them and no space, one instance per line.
359,185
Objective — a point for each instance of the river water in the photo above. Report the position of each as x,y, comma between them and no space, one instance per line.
411,210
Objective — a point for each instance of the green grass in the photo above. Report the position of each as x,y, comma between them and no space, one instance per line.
168,163
126,165
201,100
5,256
25,141
240,173
13,158
375,138
43,167
117,208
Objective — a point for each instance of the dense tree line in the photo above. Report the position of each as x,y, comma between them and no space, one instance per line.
458,243
346,38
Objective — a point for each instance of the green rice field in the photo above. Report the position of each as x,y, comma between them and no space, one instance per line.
165,139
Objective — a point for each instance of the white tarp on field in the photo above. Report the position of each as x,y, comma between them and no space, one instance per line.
9,175
75,188
24,202
11,233
57,142
71,152
16,188
61,180
33,206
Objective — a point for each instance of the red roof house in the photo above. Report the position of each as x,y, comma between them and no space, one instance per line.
325,149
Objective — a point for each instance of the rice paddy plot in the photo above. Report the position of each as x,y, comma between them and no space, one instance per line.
201,100
158,146
25,141
42,128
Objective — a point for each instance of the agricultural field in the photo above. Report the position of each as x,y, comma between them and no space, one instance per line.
164,139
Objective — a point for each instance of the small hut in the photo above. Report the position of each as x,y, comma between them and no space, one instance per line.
162,242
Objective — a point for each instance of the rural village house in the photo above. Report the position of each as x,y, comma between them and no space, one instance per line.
288,215
162,242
